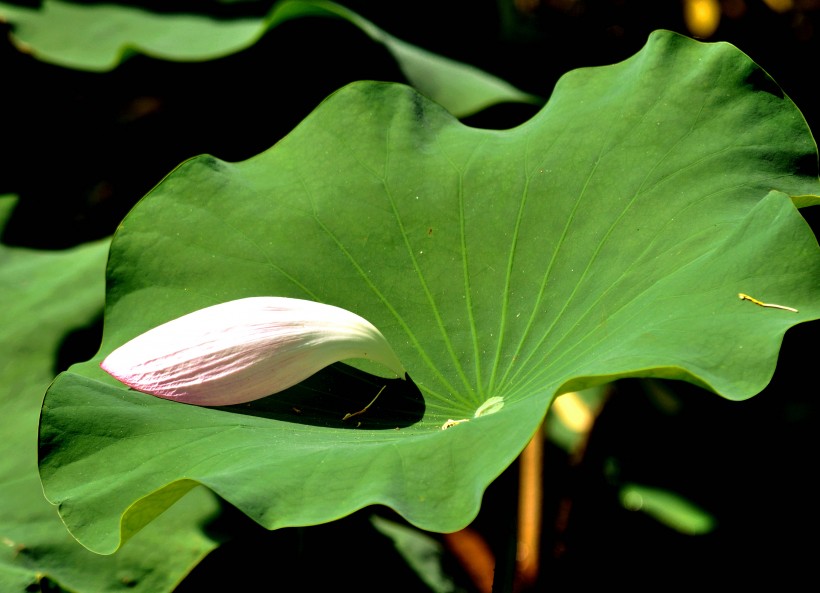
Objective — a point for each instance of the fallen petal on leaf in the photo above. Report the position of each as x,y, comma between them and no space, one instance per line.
246,349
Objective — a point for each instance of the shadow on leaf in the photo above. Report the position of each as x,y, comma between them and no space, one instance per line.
341,396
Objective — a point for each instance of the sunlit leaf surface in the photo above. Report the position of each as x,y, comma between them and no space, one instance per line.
607,237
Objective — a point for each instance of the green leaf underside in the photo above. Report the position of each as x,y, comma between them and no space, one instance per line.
46,295
101,36
608,237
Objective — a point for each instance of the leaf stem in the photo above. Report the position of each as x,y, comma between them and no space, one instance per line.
530,510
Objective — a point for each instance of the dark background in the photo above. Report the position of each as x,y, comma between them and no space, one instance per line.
81,148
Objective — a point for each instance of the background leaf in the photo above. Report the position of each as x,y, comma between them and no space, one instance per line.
45,297
608,237
668,508
99,37
422,552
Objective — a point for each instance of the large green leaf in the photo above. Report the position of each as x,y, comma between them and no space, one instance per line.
607,237
45,296
98,37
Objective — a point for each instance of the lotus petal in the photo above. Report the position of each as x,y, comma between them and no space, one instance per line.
246,349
